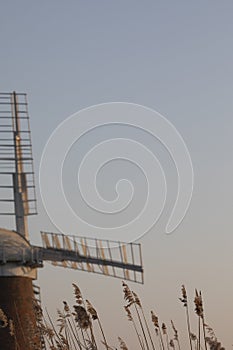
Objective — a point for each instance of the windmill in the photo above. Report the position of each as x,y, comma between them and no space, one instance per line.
19,259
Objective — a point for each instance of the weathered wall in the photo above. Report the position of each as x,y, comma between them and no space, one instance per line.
16,294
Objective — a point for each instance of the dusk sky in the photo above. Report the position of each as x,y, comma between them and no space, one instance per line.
174,57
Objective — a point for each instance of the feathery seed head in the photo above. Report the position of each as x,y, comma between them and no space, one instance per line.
78,294
3,319
175,331
164,328
172,345
11,327
184,298
129,315
122,344
198,304
128,296
136,299
81,317
155,319
66,307
91,310
193,336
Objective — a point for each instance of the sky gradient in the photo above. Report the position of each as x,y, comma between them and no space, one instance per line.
174,57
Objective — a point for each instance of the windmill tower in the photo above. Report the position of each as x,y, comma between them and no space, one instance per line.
19,259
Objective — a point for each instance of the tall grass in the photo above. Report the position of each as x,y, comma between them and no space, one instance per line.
80,327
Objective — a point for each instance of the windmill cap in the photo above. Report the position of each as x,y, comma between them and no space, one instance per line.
10,238
15,255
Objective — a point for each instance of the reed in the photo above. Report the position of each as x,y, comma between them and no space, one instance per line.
184,300
75,329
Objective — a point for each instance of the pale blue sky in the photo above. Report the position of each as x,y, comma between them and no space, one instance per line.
175,57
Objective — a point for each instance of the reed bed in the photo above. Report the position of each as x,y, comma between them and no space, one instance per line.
80,327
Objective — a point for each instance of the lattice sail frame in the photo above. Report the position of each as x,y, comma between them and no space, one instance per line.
111,258
17,183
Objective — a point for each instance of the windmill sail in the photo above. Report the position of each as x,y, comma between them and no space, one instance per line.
111,258
17,183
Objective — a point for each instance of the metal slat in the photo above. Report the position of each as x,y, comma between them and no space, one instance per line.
124,263
13,110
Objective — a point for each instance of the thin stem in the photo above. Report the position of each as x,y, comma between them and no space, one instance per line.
199,334
204,334
54,329
178,343
102,331
138,335
75,334
140,321
92,336
84,340
161,339
158,336
167,341
69,334
189,328
148,330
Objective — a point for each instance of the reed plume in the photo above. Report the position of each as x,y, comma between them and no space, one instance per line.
122,344
172,344
200,313
184,300
129,297
164,331
78,294
81,317
212,340
158,332
176,338
92,311
73,326
3,319
138,302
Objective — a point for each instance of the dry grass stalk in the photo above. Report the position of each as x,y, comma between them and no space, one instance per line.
94,315
71,325
78,294
158,332
130,318
164,330
92,311
3,319
11,328
81,317
212,340
184,300
138,302
195,340
55,337
176,338
200,313
129,297
198,304
172,344
122,344
67,337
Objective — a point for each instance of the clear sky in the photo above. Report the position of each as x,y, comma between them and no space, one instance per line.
175,57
